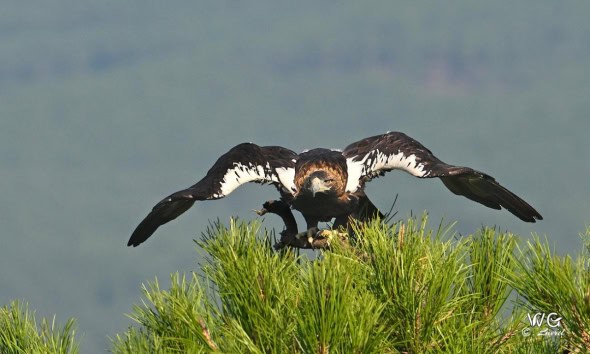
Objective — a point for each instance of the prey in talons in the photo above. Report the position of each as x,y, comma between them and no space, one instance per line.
313,238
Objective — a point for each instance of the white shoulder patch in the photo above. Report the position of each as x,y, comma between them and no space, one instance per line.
355,172
240,174
244,173
287,178
376,161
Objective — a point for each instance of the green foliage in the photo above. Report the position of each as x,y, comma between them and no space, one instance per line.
257,293
336,312
173,323
395,288
19,333
549,283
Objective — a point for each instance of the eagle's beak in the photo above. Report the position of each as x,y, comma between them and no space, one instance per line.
318,186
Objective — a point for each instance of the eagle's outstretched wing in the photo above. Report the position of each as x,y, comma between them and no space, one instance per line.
244,163
373,156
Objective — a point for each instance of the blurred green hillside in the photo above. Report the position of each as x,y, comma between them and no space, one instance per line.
109,106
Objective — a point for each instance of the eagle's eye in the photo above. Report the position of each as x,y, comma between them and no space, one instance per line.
329,180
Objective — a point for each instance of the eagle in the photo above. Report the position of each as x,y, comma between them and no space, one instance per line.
329,184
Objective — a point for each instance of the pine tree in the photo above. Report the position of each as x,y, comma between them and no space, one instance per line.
400,288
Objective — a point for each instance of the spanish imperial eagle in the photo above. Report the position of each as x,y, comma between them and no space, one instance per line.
326,184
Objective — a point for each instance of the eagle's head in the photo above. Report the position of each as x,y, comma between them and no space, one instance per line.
319,182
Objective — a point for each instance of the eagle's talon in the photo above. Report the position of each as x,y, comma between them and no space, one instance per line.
326,233
279,245
312,232
300,235
260,212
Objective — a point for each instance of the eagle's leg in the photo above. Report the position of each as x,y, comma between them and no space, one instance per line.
283,210
306,239
367,210
342,221
289,234
312,229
